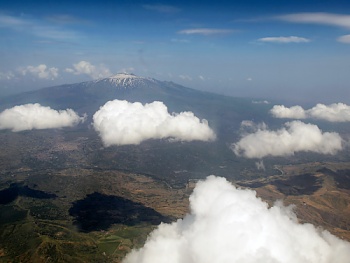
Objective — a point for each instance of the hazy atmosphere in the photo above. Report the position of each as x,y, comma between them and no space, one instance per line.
266,49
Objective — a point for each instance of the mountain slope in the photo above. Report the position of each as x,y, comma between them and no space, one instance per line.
224,113
174,162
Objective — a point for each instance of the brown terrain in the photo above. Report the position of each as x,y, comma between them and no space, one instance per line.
320,193
57,207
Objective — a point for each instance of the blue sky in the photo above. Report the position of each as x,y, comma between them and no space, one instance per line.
298,50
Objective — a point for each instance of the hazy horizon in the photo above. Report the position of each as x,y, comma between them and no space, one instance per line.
296,51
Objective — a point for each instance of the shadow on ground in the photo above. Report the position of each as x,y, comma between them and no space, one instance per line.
98,212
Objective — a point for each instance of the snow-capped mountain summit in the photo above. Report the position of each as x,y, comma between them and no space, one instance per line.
88,96
126,80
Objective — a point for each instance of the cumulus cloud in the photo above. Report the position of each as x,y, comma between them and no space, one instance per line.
121,122
336,112
295,112
86,68
227,224
296,136
35,116
205,31
284,40
41,71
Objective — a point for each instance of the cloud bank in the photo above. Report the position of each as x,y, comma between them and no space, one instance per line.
121,122
227,224
35,116
296,136
86,68
336,112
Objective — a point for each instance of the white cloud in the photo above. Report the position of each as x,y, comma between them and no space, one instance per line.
339,20
344,39
41,71
205,31
85,67
296,136
35,116
295,112
336,112
70,70
227,224
6,75
260,102
284,40
121,122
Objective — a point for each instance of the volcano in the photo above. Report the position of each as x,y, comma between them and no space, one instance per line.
226,113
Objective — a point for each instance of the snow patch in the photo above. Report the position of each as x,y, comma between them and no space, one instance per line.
125,80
